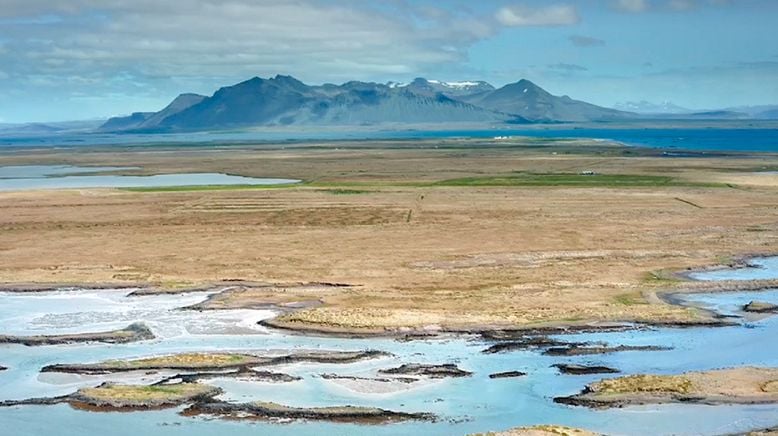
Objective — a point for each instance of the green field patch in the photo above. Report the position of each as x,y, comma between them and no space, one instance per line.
630,299
573,180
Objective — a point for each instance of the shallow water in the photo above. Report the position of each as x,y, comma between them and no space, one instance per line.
65,176
466,405
692,138
763,268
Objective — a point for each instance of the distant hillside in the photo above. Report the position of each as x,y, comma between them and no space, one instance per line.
32,128
151,120
646,107
52,128
761,112
719,115
770,114
132,121
284,100
532,102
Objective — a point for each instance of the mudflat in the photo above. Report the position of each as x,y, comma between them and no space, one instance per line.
400,236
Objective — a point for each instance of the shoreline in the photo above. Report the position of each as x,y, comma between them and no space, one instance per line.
669,296
209,407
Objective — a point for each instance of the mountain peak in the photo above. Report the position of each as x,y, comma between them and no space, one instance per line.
526,86
286,79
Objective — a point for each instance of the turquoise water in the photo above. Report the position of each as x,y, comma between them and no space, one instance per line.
713,139
466,405
64,176
764,268
41,171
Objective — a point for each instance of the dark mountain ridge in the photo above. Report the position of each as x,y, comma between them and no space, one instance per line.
284,100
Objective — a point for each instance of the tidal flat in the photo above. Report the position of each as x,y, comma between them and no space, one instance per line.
590,275
431,381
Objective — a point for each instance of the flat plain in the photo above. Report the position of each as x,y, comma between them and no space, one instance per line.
428,235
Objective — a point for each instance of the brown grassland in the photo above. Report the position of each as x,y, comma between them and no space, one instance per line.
744,385
452,234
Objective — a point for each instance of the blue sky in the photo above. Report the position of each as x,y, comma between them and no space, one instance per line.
81,59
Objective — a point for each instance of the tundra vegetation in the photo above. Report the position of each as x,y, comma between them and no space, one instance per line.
426,235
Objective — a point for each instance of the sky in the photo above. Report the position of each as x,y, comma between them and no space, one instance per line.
88,59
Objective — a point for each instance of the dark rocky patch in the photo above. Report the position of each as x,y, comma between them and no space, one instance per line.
243,373
2,368
264,411
416,337
507,374
593,402
54,287
523,333
572,369
328,357
524,344
431,371
575,350
132,333
45,401
758,432
383,380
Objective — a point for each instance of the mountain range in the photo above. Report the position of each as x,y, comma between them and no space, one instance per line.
669,110
286,101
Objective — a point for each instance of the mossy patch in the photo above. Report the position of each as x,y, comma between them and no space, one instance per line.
347,191
115,393
665,384
189,360
630,299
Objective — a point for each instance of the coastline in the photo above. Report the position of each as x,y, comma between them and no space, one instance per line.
220,409
669,296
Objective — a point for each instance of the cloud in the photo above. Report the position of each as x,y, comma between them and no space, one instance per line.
633,6
555,15
327,40
638,6
585,41
570,68
681,5
144,52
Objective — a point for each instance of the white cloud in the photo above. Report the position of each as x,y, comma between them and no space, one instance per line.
633,6
556,15
326,40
